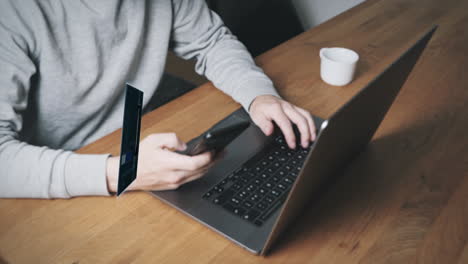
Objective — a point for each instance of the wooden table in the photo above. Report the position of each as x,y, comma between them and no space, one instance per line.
404,200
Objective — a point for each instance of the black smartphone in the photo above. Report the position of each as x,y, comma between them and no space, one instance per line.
215,139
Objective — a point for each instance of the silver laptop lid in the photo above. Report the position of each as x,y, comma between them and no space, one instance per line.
347,133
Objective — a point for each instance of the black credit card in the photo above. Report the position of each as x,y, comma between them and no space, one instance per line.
130,138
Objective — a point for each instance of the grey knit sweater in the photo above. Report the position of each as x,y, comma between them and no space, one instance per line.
63,66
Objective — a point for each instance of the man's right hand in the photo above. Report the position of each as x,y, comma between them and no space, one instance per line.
159,167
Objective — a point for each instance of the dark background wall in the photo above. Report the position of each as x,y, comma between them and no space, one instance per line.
259,24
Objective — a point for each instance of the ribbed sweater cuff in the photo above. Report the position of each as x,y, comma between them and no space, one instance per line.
86,175
253,88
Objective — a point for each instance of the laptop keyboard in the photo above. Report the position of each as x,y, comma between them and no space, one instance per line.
260,186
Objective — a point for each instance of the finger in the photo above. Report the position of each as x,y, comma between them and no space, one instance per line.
310,121
204,168
179,178
166,140
201,160
193,175
182,162
265,124
301,123
284,124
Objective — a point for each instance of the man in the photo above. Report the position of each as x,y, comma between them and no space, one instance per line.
63,69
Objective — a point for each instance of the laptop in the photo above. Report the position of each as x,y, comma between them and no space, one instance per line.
260,185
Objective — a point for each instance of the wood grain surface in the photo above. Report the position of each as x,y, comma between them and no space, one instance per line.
404,200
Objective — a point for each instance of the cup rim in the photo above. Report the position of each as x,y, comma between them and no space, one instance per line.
354,54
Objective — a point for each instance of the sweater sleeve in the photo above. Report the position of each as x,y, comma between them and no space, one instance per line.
33,171
199,33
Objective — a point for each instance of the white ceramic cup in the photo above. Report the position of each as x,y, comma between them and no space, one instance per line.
337,65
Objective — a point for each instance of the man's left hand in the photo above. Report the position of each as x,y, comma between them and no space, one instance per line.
268,108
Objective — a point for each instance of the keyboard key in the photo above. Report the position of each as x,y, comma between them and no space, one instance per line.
207,195
280,140
262,206
235,201
242,194
293,174
272,170
281,186
258,222
247,204
282,159
251,215
261,194
271,210
262,191
288,180
251,188
254,197
269,199
275,192
223,197
248,192
239,211
244,180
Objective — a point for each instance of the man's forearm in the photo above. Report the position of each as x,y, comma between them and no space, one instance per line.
40,172
199,32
